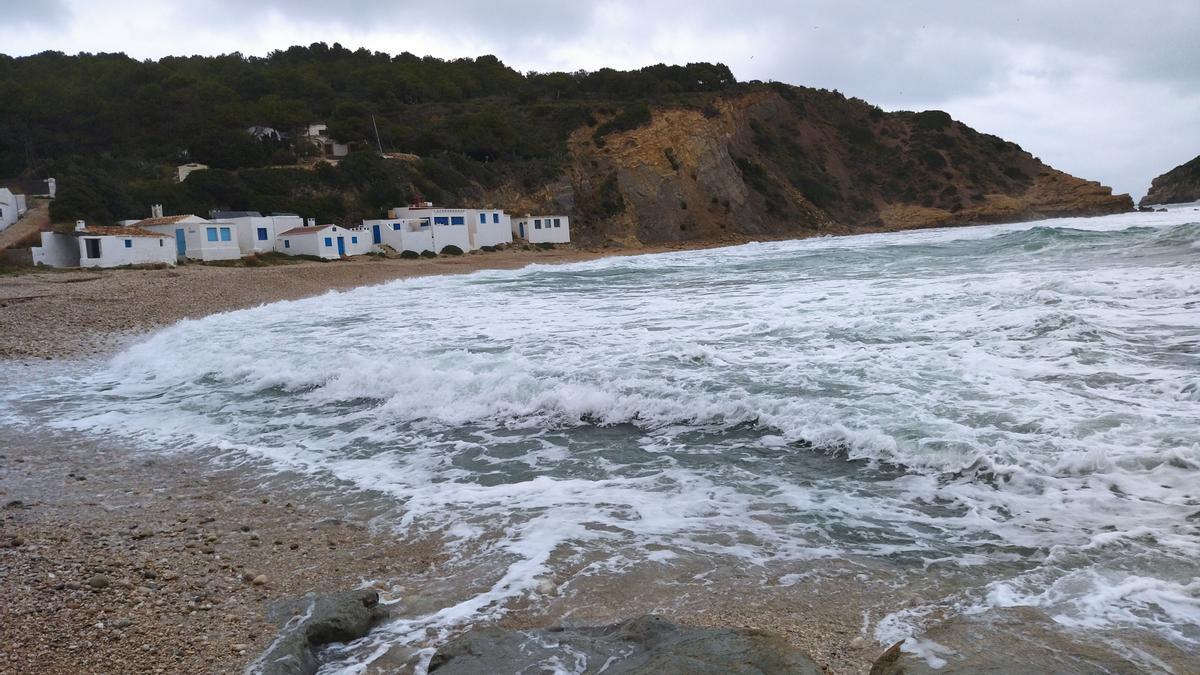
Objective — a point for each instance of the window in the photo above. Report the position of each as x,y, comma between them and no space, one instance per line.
329,241
441,220
483,219
262,234
128,243
495,217
457,220
212,234
93,247
353,240
225,234
160,243
287,243
395,226
537,224
558,222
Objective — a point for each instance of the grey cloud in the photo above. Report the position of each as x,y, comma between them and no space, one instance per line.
27,13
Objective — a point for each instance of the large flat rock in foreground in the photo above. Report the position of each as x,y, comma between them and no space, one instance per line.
644,645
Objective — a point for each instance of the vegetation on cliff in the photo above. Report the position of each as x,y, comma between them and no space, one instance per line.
1177,186
660,153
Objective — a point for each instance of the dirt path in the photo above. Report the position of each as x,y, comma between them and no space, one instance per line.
36,219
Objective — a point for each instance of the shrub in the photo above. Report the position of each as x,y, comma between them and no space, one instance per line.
409,255
451,250
488,249
428,254
632,116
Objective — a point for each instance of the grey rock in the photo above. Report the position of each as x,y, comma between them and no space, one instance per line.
642,646
1021,640
99,581
315,620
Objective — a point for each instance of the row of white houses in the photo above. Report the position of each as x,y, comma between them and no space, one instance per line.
228,236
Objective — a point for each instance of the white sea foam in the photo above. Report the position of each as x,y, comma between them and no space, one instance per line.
1023,396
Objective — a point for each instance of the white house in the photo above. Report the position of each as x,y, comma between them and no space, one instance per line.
328,147
12,207
413,234
195,237
468,229
325,241
184,170
117,246
256,233
542,229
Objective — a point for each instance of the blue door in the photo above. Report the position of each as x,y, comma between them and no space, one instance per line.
375,234
521,229
180,243
341,246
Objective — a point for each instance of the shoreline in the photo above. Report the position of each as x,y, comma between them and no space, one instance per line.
68,314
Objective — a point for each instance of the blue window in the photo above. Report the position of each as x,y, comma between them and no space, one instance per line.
558,222
441,220
482,218
128,243
262,234
225,234
329,241
495,217
457,220
287,243
395,226
537,224
353,240
212,234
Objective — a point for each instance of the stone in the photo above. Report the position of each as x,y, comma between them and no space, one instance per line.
312,621
99,581
121,623
645,645
260,580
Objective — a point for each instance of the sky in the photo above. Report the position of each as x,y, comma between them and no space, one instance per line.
1108,90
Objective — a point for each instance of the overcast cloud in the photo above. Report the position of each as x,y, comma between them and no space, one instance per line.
1103,89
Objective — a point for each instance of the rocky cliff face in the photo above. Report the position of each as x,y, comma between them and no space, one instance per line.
1177,186
787,161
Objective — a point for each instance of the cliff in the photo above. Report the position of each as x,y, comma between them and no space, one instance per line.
788,161
1177,186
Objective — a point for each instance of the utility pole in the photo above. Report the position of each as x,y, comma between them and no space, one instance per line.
377,141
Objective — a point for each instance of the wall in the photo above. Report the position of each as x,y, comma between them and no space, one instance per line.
544,234
247,231
195,238
496,229
57,250
299,244
8,208
114,253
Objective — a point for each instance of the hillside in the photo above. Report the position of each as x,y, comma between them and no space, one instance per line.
660,154
1177,186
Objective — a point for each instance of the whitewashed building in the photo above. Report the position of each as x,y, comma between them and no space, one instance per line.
12,207
325,241
256,233
195,237
119,246
468,229
412,234
542,229
315,133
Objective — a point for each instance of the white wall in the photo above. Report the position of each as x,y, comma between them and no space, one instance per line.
543,229
299,244
57,250
195,236
248,236
114,251
323,242
8,208
495,228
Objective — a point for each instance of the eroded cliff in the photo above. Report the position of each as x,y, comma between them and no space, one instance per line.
1177,186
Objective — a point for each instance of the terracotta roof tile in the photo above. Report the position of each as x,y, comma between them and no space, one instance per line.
130,231
165,220
304,230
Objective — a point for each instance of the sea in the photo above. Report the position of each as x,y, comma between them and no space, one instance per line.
1013,410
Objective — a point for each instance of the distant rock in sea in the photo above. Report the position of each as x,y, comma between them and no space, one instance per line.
1177,186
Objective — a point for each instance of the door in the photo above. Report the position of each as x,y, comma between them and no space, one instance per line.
341,246
93,247
521,229
375,236
180,243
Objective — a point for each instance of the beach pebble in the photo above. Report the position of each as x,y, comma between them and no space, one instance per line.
121,623
170,575
239,647
18,541
858,643
545,586
260,580
99,581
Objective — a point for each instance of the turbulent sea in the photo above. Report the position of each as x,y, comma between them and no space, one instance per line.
1014,409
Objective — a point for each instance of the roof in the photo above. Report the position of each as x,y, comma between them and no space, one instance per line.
304,230
221,215
130,231
164,220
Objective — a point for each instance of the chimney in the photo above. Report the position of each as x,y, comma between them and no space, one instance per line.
312,222
80,226
51,187
156,211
